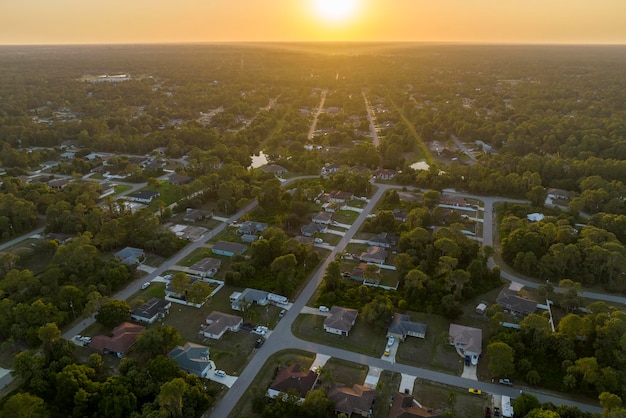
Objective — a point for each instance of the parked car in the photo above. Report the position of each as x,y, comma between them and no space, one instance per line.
145,285
475,391
386,351
505,382
282,313
390,341
496,411
259,342
220,373
261,330
323,308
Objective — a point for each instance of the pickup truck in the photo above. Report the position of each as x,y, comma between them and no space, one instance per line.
505,382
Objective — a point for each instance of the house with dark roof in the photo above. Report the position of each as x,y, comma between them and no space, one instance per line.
228,249
313,228
217,323
339,196
374,254
510,299
330,169
122,338
384,174
468,340
323,218
553,193
357,400
143,196
399,215
275,169
207,267
292,378
195,215
405,406
192,358
451,200
151,311
130,255
240,301
179,179
384,239
340,321
251,228
401,326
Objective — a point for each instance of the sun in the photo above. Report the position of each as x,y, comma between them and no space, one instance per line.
335,10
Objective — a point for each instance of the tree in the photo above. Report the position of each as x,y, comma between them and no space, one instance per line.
316,404
379,311
198,292
113,313
501,360
157,340
611,405
525,403
24,405
179,283
117,397
170,397
450,307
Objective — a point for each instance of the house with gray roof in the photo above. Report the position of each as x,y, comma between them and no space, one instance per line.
374,254
207,267
228,249
510,299
217,323
195,215
252,228
240,301
313,228
384,240
130,255
468,340
192,358
340,321
151,311
401,327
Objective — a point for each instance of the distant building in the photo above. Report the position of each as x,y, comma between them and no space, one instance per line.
384,240
451,200
179,179
340,321
252,228
130,255
143,196
374,254
553,193
277,170
384,174
240,301
340,197
313,228
207,267
195,215
323,218
399,215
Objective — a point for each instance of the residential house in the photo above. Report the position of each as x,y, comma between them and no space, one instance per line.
451,200
106,189
192,358
130,255
195,215
304,240
143,196
358,273
313,228
240,301
340,321
49,164
466,339
151,311
401,327
274,169
249,238
510,299
122,338
331,207
384,240
293,378
374,254
207,267
218,323
179,179
323,218
357,400
228,249
68,155
340,197
171,293
57,184
553,193
330,169
399,215
252,228
405,406
384,174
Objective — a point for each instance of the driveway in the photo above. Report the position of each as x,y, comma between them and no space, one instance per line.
392,351
373,375
320,361
407,382
469,372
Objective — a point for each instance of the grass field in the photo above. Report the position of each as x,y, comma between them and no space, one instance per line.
346,372
436,396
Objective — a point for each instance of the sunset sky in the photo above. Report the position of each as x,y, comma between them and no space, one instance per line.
166,21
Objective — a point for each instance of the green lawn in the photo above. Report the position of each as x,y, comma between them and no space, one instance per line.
346,372
331,239
121,188
195,256
346,216
362,339
434,395
170,193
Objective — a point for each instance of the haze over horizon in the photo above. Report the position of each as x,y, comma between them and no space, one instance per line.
196,21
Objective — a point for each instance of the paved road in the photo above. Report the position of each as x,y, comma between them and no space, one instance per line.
317,114
371,117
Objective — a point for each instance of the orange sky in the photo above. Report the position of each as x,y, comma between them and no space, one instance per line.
163,21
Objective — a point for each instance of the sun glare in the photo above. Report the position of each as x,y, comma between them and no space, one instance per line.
335,10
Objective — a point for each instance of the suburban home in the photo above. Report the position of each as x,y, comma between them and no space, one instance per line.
252,228
323,218
195,215
228,249
313,228
249,238
374,254
130,255
384,240
340,197
405,406
179,179
304,240
553,193
401,327
292,377
340,321
57,184
207,267
330,169
509,299
331,207
192,358
384,174
451,200
399,215
240,301
106,189
358,273
68,155
143,196
467,340
122,338
274,169
151,311
49,164
218,323
357,400
171,293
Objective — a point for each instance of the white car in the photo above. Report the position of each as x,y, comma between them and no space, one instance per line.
323,308
390,341
145,285
261,330
220,373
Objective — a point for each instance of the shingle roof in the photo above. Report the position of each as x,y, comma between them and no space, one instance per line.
401,324
341,318
151,308
123,337
292,377
355,399
191,357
